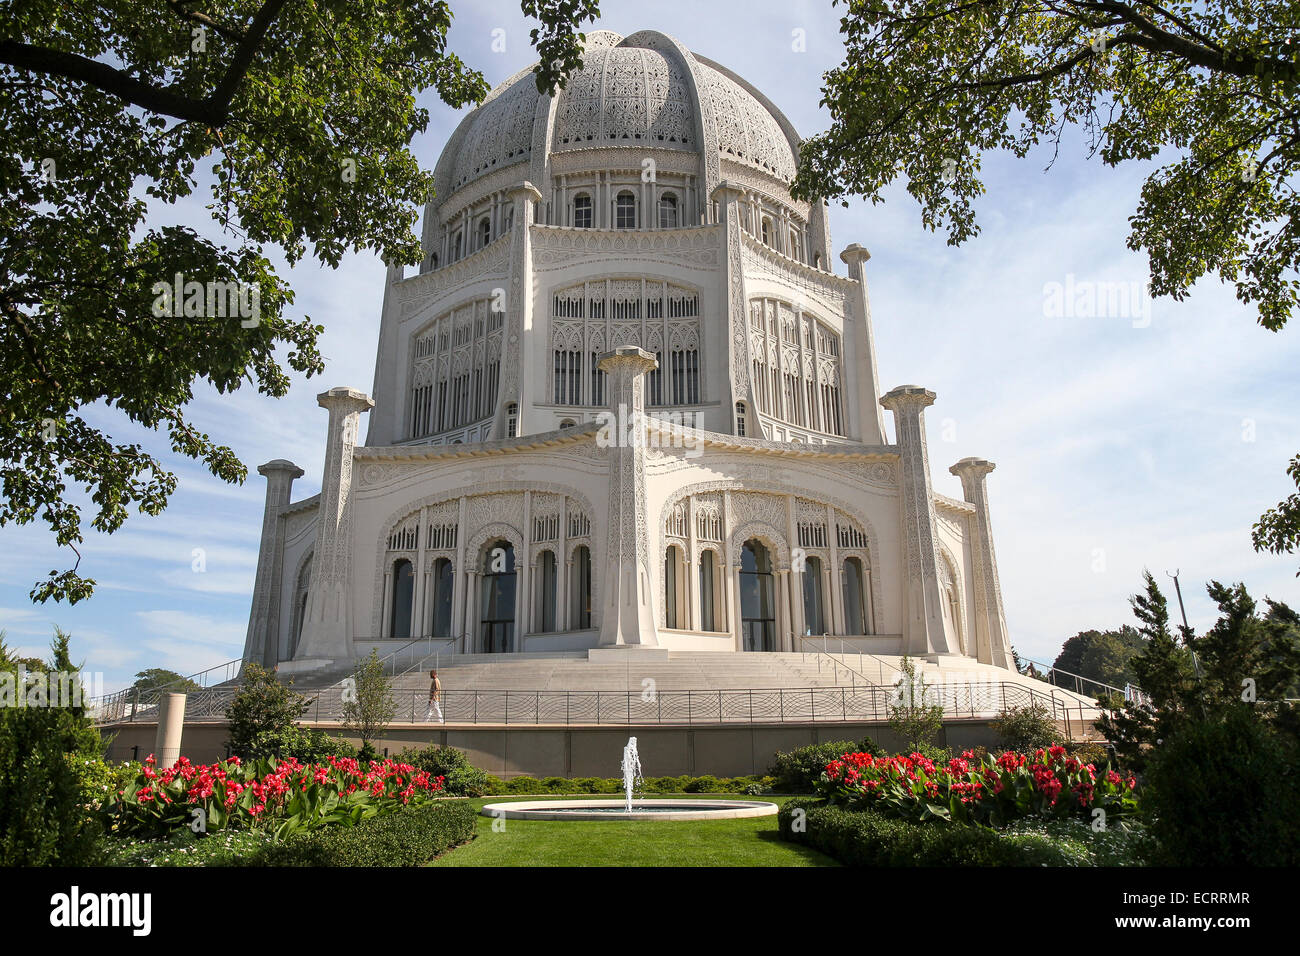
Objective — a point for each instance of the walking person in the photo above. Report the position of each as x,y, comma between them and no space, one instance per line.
435,697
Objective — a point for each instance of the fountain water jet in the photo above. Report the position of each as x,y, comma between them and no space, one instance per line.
631,770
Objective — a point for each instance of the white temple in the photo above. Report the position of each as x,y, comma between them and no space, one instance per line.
626,251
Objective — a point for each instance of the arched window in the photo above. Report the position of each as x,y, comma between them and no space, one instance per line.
443,584
399,623
568,377
544,600
568,423
953,610
625,210
817,260
708,591
582,211
497,627
794,244
757,598
766,230
740,419
484,231
510,218
814,609
302,616
512,420
668,211
855,608
455,247
433,261
580,589
674,596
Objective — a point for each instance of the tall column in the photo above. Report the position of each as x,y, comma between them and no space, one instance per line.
993,643
865,413
262,643
515,370
924,630
327,629
627,616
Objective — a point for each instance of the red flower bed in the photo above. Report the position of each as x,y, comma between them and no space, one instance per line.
988,791
287,794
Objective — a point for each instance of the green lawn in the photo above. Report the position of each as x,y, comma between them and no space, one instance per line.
748,841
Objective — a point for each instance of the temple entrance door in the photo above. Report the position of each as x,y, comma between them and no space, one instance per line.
757,598
497,617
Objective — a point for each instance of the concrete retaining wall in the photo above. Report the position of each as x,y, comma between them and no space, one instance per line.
729,750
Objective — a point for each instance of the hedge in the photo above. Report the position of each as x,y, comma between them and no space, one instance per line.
867,838
408,837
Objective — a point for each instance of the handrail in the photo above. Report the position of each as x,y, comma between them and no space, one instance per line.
837,704
150,696
1127,693
881,662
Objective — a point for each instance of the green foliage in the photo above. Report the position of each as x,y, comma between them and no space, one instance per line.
1278,529
185,848
44,786
303,744
1103,656
928,86
460,777
1224,792
303,116
1245,657
263,714
867,838
1025,729
799,770
155,678
370,708
911,716
411,836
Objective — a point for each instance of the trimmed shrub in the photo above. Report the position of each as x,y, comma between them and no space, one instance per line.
460,777
303,744
410,837
263,711
799,770
1025,729
866,838
1224,792
43,792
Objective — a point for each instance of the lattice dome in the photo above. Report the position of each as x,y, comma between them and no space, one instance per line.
645,90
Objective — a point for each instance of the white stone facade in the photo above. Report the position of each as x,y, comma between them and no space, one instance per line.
625,251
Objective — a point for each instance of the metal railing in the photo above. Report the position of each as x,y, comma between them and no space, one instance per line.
1086,686
133,703
821,647
863,703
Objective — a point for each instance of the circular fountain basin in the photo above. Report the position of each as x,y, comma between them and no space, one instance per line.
617,809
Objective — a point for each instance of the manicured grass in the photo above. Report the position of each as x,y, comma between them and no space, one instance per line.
748,841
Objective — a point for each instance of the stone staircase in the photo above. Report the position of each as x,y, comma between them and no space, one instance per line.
682,670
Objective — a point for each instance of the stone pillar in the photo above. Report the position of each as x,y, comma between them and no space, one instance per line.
627,615
327,629
515,368
262,643
870,419
992,642
924,630
171,727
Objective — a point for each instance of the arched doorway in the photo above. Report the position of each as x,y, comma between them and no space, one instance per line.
497,617
757,598
403,597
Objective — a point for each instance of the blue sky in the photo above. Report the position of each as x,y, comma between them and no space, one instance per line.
1119,445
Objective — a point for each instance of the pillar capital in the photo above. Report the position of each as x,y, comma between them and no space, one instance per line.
854,254
345,399
524,190
627,357
907,397
974,469
280,466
